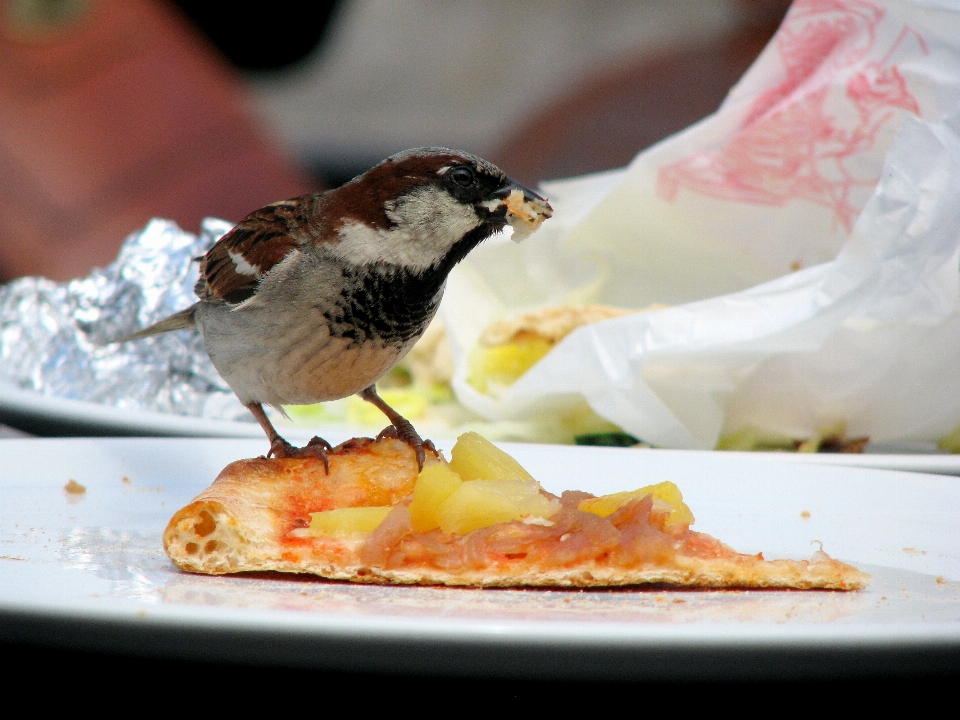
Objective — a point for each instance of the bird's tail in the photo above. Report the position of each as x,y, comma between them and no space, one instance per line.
178,321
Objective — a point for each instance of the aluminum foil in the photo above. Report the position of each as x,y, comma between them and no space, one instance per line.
56,338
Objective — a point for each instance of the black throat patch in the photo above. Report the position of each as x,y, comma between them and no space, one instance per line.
389,305
393,305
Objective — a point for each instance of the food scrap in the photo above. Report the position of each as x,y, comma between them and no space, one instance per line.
510,347
832,439
75,488
525,215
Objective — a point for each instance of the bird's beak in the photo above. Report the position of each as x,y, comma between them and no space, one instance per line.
526,210
528,194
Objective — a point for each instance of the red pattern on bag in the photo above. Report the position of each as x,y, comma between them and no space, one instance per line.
798,141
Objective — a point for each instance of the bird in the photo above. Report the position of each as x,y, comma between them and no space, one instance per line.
316,298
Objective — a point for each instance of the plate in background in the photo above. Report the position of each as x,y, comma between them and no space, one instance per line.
50,416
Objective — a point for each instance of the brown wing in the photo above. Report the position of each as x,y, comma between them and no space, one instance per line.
230,272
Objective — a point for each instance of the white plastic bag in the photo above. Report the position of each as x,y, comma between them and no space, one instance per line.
774,182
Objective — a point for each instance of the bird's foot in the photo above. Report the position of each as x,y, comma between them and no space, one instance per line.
388,432
317,440
317,447
403,430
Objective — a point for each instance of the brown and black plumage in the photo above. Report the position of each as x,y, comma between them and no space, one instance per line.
316,298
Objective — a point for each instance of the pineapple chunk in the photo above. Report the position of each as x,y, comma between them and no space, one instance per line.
476,458
481,503
481,486
435,484
501,366
347,522
608,504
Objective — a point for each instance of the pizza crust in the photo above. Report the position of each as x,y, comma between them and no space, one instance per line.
252,518
550,323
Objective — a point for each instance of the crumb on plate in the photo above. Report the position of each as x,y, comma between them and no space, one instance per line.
75,488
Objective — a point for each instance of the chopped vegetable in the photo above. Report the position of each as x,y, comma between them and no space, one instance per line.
346,522
668,492
435,484
481,503
476,458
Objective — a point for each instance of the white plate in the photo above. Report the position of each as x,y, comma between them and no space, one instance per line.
30,410
89,572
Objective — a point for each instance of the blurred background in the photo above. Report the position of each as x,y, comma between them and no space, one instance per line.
116,111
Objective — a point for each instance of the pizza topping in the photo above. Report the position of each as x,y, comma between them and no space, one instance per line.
484,507
377,549
483,510
482,486
535,520
498,513
476,458
435,484
481,503
666,499
632,536
347,522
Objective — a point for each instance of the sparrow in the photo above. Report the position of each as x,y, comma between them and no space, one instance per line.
316,298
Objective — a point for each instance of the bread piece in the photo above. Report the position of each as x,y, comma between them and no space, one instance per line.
525,216
550,323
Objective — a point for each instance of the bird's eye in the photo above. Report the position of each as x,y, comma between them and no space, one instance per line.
462,177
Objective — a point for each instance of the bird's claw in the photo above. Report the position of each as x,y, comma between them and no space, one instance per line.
317,447
320,447
317,440
389,432
403,430
280,448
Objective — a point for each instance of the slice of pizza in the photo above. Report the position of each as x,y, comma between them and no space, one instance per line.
479,520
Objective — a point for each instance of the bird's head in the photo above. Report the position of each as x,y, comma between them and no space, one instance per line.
427,208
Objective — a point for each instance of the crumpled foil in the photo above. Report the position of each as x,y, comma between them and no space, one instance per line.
56,338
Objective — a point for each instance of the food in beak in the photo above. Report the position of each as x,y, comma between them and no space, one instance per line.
525,214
